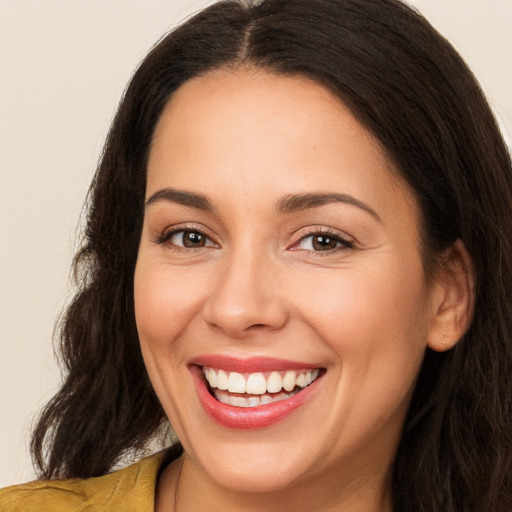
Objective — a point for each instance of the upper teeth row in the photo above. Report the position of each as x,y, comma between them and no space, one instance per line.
257,383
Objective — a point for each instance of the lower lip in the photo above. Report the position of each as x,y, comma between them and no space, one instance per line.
248,418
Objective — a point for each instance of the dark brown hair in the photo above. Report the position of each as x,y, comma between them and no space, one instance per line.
409,87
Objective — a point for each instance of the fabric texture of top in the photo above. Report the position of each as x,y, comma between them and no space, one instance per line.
131,489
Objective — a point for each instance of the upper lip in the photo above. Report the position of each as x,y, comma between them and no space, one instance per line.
251,364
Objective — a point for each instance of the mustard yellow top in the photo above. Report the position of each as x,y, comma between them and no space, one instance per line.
131,489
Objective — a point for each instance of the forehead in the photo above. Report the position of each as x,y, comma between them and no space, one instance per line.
248,128
223,104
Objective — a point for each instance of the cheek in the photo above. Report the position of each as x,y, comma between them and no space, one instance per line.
376,328
373,320
165,301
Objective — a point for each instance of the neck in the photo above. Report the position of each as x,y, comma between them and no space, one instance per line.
184,487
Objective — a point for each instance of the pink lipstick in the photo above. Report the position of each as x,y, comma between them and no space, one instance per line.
253,393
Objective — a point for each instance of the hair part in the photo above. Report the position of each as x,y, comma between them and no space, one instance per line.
409,87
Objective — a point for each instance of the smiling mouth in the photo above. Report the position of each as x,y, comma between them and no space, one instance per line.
254,389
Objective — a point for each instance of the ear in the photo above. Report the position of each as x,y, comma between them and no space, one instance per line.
452,298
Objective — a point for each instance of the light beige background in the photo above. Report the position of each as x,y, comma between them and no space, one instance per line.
64,65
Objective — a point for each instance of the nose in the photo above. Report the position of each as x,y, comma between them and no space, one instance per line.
246,298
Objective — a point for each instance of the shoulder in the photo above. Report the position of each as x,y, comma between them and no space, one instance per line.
131,488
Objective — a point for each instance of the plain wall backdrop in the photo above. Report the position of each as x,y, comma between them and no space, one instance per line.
63,69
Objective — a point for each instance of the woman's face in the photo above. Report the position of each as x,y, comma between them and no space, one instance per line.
278,247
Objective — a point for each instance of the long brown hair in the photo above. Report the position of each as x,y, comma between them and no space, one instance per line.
409,87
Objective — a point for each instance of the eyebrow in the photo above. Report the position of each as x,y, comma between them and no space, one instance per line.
299,202
287,204
198,201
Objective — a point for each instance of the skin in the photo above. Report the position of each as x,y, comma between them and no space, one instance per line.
365,312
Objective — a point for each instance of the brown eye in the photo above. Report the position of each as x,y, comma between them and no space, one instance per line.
193,239
188,239
323,242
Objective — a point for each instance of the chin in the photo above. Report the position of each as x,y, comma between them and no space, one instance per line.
265,471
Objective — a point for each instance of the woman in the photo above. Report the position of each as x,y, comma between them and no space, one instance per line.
298,253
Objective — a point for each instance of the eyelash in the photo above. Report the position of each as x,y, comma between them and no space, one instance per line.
165,237
342,243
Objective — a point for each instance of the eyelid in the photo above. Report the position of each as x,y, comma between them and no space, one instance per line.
164,235
347,241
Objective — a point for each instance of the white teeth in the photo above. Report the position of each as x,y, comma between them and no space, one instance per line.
281,396
222,397
256,384
236,383
274,383
212,377
289,381
280,385
253,401
222,380
238,401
